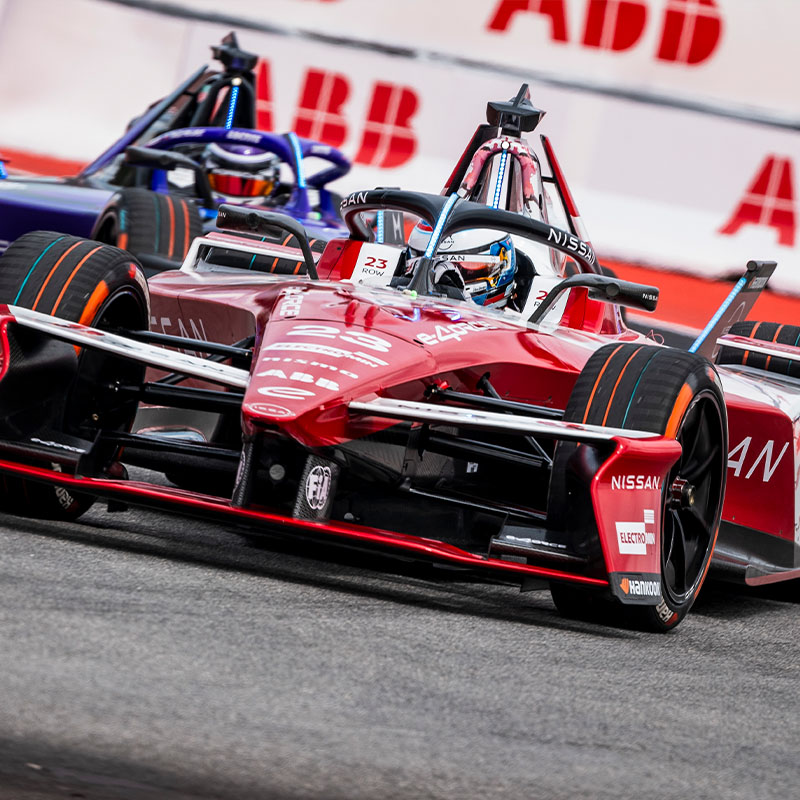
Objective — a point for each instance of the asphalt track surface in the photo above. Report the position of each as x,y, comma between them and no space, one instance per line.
146,656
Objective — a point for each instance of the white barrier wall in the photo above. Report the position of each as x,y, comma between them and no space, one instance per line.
658,184
739,53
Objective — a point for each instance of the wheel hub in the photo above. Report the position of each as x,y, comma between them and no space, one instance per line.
681,494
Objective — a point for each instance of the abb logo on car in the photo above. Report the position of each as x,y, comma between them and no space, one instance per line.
387,138
690,30
305,369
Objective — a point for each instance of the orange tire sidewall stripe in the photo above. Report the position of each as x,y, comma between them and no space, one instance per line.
122,241
171,206
708,563
597,383
96,299
94,302
74,273
752,336
681,404
52,272
185,207
774,339
614,390
277,258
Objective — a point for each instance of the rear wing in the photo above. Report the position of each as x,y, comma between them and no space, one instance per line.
734,308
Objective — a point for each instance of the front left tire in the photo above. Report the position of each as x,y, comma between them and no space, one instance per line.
93,284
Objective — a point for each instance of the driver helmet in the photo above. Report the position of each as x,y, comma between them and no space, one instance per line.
483,260
241,171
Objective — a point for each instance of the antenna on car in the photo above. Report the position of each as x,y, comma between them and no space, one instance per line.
515,116
233,58
512,118
228,98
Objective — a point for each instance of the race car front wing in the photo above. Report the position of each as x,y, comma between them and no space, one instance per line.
627,491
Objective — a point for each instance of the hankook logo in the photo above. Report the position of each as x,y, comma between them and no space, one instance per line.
640,588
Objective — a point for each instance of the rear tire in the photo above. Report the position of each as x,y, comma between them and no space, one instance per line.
93,284
150,223
766,332
260,263
676,394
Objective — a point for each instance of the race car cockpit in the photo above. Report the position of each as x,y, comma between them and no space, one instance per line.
498,169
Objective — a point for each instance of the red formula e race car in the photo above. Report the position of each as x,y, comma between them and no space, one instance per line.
410,399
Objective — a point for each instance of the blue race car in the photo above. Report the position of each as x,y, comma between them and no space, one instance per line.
160,184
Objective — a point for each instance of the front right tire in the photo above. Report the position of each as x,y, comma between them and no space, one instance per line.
676,394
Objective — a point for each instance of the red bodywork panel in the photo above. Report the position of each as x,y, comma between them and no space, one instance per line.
763,453
321,344
626,495
423,340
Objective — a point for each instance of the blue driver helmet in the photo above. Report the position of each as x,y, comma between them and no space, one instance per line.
484,261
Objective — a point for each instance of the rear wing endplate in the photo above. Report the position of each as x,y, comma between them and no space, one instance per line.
734,308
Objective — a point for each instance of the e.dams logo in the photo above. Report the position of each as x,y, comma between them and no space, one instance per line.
689,30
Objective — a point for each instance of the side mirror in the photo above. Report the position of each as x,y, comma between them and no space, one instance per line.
605,288
254,220
167,159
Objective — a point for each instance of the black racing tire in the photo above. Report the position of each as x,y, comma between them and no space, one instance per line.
82,281
284,239
766,332
259,263
679,395
149,223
